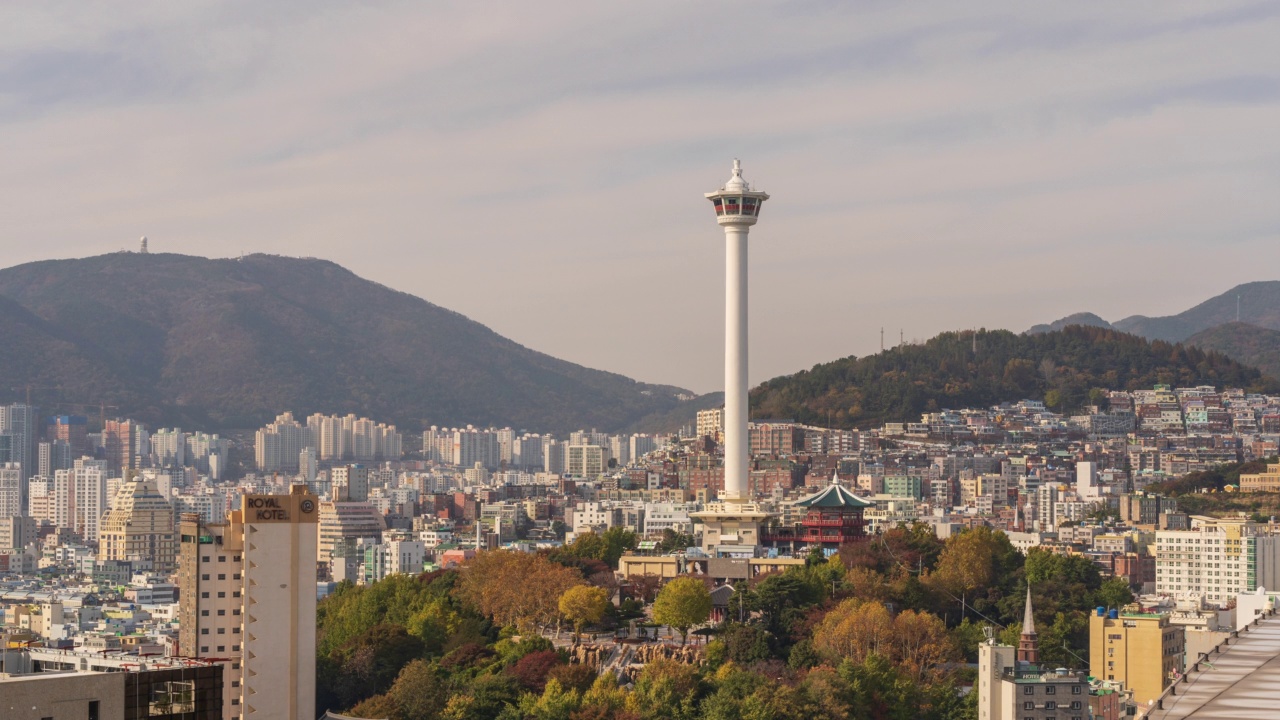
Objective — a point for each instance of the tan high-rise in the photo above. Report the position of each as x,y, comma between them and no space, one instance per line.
139,528
248,598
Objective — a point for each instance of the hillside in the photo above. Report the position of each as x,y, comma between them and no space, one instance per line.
944,372
1259,304
229,343
1082,318
1247,343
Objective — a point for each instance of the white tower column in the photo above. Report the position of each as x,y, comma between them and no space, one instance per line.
737,441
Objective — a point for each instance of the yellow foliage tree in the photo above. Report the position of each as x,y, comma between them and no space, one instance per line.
583,605
516,588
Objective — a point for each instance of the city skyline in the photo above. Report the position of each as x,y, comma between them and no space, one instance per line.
1014,149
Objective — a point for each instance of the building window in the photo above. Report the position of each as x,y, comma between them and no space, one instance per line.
235,594
1028,705
220,612
204,595
222,648
204,631
205,576
204,648
1050,690
223,594
1075,690
222,558
1051,705
1028,690
204,613
94,713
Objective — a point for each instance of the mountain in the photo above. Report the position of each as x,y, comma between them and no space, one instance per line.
218,344
898,385
1082,318
1259,304
1250,344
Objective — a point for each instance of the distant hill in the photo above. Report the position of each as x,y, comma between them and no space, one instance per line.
174,339
1082,318
1259,304
898,385
1250,344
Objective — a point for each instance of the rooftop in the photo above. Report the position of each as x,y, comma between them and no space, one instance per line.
1242,681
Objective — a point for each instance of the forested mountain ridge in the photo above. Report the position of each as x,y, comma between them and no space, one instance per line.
228,343
961,369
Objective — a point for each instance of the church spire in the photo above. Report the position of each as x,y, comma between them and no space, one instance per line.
1028,652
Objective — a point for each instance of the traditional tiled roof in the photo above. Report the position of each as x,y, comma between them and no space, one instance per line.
833,495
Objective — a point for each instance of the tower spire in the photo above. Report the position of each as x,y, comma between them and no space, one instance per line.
1028,652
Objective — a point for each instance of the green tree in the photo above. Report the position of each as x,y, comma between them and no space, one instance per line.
418,692
683,603
583,605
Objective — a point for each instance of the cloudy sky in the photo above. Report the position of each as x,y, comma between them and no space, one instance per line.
539,166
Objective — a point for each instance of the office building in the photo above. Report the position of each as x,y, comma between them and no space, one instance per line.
341,524
585,461
139,528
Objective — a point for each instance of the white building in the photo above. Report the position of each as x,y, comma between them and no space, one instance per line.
1216,560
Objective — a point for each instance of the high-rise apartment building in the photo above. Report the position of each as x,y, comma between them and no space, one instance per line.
277,445
120,441
1217,559
169,447
472,445
17,437
642,445
12,486
247,598
80,497
139,528
1142,650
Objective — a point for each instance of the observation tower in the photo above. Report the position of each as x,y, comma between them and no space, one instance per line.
731,527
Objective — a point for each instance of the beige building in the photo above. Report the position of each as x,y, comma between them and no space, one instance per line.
342,523
1141,650
139,528
711,423
248,599
1217,559
586,461
1268,481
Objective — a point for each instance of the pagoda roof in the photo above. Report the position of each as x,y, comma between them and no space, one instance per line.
833,496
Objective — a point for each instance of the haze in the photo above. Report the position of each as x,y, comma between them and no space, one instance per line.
539,167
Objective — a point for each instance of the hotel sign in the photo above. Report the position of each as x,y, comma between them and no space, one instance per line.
279,508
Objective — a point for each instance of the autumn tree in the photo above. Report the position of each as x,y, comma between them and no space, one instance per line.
583,605
515,588
854,630
921,645
978,559
683,603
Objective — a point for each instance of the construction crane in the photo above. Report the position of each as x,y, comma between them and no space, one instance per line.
29,387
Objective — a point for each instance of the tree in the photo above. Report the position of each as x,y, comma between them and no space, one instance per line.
854,630
921,645
515,588
683,603
583,605
418,692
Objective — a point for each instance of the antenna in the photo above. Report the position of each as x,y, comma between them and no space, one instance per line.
881,338
1237,307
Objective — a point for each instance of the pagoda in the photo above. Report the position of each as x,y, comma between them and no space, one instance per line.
833,517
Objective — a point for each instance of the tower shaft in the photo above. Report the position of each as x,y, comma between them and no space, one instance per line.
737,442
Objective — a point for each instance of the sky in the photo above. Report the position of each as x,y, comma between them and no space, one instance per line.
540,167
